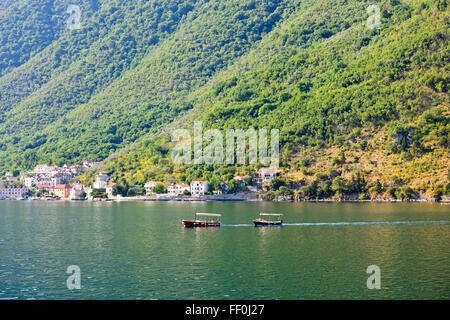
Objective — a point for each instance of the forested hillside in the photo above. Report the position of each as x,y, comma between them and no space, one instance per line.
121,75
359,108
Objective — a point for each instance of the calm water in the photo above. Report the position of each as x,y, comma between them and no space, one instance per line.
141,251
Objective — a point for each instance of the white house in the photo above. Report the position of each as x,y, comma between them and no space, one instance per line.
75,192
12,179
178,188
40,168
44,169
51,180
150,185
89,164
101,180
264,175
88,191
73,169
109,189
199,188
59,178
13,191
30,181
45,180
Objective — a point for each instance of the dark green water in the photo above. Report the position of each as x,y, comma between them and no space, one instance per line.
140,250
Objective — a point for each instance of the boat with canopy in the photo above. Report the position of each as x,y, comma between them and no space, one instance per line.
205,222
264,220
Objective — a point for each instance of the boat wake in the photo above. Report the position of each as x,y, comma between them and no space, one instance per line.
368,223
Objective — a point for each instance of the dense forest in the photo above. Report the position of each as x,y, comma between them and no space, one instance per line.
361,109
123,74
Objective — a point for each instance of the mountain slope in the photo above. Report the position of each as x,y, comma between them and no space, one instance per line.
92,105
28,27
353,104
348,100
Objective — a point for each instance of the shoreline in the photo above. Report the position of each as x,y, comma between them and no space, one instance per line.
236,199
244,197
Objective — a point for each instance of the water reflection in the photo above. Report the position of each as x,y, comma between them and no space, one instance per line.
142,251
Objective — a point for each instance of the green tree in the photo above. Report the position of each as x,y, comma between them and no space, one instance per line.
284,191
159,188
98,192
270,195
276,183
339,185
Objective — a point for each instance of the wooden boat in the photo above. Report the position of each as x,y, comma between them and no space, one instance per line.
202,223
260,222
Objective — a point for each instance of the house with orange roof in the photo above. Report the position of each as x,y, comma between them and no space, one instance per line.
46,188
109,189
62,190
178,188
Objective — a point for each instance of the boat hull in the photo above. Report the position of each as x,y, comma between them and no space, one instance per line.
200,224
267,223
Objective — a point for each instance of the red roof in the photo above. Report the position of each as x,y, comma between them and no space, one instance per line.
183,185
63,186
180,185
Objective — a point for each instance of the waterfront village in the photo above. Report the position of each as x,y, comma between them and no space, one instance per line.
53,183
